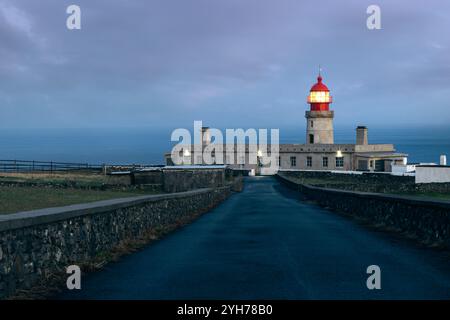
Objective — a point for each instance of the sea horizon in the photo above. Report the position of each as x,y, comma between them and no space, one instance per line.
147,145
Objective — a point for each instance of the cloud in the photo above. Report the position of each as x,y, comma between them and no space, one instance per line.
16,18
230,62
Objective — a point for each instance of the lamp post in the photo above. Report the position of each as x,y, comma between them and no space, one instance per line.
186,153
339,159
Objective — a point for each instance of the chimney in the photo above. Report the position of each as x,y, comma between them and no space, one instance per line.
443,160
361,135
206,136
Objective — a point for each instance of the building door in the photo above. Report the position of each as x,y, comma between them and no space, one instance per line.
379,165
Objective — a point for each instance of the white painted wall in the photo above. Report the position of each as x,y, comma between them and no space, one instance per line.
400,169
432,174
268,171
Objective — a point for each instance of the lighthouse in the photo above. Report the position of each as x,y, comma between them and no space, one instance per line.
319,118
318,153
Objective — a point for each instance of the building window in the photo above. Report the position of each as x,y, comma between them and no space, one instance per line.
325,162
311,138
278,161
293,161
312,124
309,161
362,165
339,162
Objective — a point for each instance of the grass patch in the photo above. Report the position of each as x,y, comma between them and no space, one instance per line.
435,195
80,178
16,199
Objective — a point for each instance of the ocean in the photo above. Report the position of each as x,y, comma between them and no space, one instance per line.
147,145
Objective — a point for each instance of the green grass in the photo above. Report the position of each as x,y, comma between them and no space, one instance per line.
78,178
16,199
435,195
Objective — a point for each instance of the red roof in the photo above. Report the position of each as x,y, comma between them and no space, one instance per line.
319,86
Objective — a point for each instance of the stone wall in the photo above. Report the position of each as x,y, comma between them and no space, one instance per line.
368,182
37,244
148,177
426,220
118,179
360,178
174,179
181,179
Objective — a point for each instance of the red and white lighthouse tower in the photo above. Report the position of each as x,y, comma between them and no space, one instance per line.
319,127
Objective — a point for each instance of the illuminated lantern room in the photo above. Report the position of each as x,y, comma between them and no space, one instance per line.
319,96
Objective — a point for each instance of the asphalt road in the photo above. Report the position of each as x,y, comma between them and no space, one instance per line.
264,243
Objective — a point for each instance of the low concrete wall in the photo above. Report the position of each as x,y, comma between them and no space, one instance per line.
37,244
426,220
430,174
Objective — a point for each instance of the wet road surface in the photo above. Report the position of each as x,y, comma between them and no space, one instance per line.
265,243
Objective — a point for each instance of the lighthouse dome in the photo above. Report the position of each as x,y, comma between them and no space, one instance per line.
319,86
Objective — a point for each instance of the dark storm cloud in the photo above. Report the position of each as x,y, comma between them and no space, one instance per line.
226,62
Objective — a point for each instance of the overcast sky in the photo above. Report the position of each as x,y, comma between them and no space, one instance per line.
230,63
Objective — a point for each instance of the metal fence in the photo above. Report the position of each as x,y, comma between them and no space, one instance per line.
50,166
43,166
